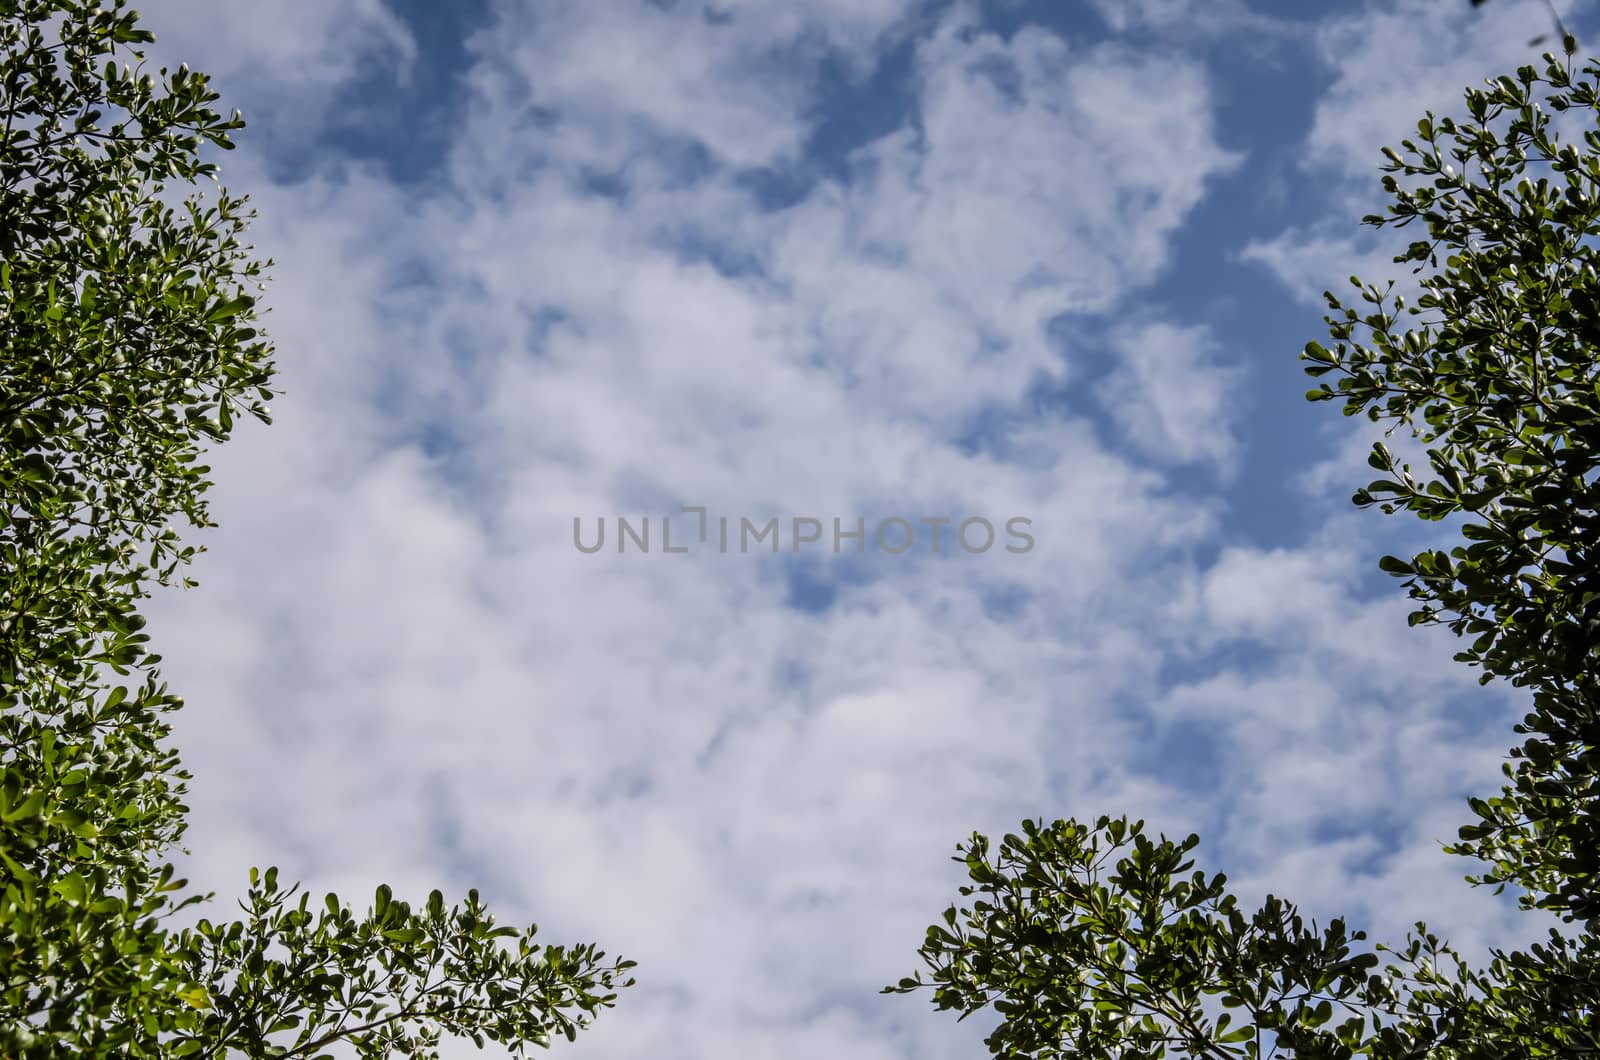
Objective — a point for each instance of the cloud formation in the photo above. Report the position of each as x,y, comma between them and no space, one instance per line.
401,669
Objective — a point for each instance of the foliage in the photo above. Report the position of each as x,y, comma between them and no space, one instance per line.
127,345
1094,942
1496,369
1099,942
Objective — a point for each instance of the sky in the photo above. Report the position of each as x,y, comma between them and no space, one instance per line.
538,262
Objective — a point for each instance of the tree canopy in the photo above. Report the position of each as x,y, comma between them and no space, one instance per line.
128,345
1095,941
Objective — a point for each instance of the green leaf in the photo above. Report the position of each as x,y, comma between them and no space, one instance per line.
1395,565
230,308
404,935
72,888
195,997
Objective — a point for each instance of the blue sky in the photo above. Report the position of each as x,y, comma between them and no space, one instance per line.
835,259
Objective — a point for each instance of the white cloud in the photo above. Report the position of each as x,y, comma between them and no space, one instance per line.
1192,18
1391,63
1312,259
617,71
400,669
1170,397
1040,181
286,57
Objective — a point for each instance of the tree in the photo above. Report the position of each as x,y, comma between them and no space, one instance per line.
1091,941
128,344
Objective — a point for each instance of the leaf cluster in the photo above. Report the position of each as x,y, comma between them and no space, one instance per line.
1093,942
129,345
1100,941
1495,369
